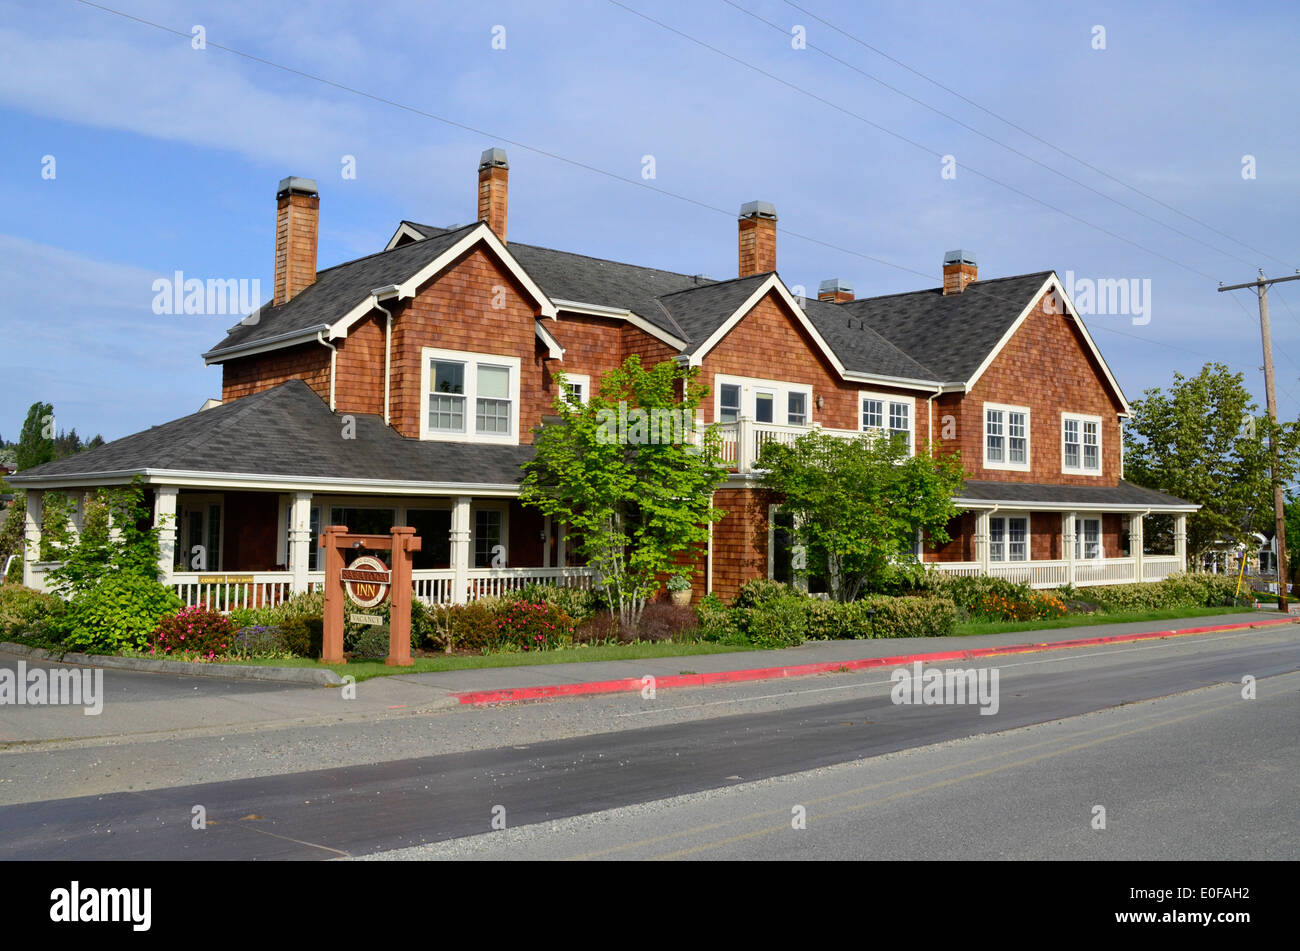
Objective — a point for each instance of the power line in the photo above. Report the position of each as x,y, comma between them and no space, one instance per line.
187,36
1021,129
903,138
984,135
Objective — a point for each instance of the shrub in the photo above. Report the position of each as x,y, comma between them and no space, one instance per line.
1176,591
119,613
577,603
303,635
776,622
717,622
371,643
665,621
763,590
532,625
193,630
258,640
601,628
910,616
25,611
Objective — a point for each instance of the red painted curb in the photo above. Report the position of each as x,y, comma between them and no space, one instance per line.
519,694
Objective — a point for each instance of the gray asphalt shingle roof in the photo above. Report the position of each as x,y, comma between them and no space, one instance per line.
1125,494
290,431
951,335
340,288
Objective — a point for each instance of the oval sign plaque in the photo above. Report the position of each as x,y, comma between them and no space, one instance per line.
367,580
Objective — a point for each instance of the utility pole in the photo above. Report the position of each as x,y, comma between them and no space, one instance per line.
1261,284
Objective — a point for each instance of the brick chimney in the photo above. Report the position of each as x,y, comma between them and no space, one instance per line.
757,238
836,291
297,218
959,269
493,186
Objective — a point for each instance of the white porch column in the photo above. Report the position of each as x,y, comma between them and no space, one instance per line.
32,540
1180,541
982,541
745,451
1136,542
300,540
164,518
460,553
1068,520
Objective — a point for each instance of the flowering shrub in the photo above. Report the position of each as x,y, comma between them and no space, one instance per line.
195,631
1026,607
532,625
259,640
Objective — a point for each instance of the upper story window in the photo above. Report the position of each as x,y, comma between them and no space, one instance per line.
883,413
470,396
764,401
1006,437
1080,444
577,387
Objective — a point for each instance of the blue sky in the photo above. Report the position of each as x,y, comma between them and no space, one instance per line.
167,158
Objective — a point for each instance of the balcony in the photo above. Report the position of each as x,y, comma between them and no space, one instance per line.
744,439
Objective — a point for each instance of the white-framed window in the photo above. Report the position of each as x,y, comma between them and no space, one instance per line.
199,532
888,413
577,386
469,396
1080,444
764,401
1009,538
1006,437
1087,538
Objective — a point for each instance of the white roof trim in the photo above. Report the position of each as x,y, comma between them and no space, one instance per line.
1116,507
553,348
409,287
185,478
772,283
1054,283
404,230
620,313
292,338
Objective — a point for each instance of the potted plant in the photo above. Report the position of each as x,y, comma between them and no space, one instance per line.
679,589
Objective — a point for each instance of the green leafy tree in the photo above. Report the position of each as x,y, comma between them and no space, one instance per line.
36,441
858,503
97,552
1205,441
631,477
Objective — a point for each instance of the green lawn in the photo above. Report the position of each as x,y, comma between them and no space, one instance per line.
365,669
1084,620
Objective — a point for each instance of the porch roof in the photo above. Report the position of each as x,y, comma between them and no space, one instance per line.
1124,497
285,434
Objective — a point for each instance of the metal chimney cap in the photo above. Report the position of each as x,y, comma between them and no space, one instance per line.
758,209
835,285
493,158
298,186
959,257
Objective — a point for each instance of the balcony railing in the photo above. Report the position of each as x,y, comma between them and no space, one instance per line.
743,439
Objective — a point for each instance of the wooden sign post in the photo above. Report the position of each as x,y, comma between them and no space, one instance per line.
369,583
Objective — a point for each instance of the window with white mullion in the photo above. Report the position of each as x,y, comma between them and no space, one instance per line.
470,396
888,415
1087,538
447,401
1006,437
1081,444
1008,538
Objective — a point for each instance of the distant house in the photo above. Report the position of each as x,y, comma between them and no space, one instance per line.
404,387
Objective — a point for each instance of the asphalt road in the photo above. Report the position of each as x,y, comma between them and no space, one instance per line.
704,747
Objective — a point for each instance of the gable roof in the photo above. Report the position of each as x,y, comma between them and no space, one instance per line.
284,434
953,334
335,292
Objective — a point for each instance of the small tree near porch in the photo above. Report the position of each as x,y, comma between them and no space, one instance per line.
631,476
858,503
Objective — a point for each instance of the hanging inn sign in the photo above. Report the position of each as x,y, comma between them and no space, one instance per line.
368,583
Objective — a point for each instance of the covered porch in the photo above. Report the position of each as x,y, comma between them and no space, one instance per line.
1051,536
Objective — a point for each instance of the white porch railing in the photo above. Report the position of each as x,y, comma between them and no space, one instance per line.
1054,574
744,439
231,591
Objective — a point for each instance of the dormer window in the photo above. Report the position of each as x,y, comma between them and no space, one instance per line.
470,396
